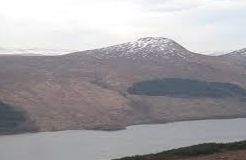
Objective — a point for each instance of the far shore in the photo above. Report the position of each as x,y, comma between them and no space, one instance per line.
119,128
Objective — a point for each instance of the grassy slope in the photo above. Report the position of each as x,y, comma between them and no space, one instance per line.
192,151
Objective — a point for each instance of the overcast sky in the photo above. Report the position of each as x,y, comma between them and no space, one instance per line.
199,25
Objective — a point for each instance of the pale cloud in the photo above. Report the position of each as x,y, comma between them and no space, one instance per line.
168,5
199,25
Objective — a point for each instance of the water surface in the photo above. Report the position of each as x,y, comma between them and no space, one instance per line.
105,145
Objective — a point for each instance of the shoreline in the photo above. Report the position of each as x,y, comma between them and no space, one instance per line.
115,129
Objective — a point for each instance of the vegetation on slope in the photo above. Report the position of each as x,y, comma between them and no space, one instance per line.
11,120
186,88
192,151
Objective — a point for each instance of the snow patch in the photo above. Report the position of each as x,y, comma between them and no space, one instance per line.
146,48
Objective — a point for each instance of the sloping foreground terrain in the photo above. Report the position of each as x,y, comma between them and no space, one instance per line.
96,89
207,151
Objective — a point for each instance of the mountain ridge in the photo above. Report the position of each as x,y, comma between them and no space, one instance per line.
156,47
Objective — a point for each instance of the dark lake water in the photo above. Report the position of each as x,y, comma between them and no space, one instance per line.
105,145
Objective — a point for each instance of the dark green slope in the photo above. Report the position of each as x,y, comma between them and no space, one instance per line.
192,151
12,120
186,88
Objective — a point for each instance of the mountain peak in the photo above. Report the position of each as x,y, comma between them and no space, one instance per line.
156,43
154,39
144,48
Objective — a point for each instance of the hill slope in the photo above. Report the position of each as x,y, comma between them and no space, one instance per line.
236,58
207,151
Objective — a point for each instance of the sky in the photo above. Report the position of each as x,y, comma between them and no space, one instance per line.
202,26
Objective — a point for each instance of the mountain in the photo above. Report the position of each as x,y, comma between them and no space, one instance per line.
91,89
144,48
236,58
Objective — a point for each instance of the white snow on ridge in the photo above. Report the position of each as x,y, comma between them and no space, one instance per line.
149,47
34,51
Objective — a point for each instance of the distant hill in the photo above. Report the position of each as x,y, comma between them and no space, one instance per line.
34,51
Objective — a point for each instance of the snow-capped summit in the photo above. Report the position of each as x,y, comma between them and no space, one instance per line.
153,44
147,48
154,40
